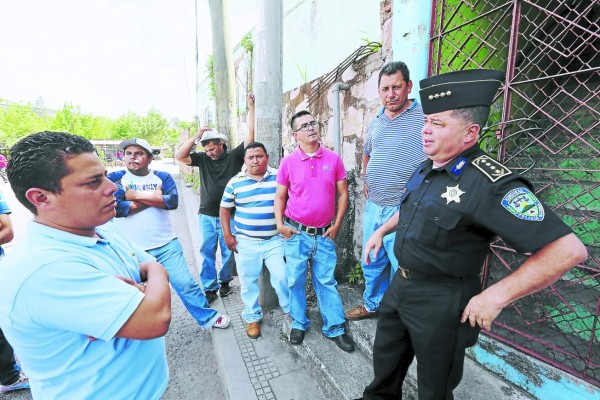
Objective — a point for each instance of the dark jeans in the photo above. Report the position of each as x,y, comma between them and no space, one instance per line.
9,371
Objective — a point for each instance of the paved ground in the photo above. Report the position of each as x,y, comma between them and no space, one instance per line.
264,368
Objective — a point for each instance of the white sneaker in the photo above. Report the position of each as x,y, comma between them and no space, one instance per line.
222,322
21,383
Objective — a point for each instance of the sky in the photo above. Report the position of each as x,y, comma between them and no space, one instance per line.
109,57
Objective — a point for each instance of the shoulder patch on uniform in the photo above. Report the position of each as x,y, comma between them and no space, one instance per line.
523,204
491,168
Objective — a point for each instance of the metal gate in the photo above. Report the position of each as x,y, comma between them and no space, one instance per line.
544,125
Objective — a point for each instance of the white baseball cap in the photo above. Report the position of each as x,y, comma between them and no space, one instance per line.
136,142
212,134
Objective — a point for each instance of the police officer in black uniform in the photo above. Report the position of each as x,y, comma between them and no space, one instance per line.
456,202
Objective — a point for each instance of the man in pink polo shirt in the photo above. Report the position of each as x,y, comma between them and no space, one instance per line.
308,182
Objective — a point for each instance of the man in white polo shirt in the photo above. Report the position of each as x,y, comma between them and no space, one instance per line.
144,198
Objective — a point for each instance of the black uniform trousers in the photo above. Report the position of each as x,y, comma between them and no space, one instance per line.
422,318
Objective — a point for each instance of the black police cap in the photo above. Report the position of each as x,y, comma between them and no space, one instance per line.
459,89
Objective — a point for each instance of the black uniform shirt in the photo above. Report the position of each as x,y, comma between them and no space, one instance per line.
214,175
449,216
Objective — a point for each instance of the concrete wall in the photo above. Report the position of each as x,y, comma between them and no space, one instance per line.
317,35
410,31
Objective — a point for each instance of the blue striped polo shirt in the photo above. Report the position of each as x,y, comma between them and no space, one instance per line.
253,202
395,149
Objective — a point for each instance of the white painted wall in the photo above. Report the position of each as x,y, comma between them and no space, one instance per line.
319,34
411,26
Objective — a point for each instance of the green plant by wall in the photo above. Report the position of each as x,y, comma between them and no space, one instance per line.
247,43
303,72
355,277
192,180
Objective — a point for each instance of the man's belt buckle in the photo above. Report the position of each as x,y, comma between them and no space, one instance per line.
311,230
404,273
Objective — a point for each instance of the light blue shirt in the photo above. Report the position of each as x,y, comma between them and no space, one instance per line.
57,290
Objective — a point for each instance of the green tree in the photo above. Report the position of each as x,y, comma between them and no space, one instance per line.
17,121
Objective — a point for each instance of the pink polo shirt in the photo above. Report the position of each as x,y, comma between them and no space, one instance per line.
311,183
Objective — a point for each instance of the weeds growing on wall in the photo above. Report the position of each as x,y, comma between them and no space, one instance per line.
355,277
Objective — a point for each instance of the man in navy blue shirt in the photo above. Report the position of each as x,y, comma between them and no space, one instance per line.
454,205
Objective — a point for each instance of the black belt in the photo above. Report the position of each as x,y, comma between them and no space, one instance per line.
422,276
311,230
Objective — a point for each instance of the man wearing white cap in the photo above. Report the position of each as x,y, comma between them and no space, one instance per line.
216,166
455,204
144,198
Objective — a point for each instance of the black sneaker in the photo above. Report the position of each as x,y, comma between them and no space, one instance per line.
211,296
224,290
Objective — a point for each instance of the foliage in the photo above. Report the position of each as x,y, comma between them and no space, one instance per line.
192,179
247,43
372,45
18,121
355,276
303,73
210,69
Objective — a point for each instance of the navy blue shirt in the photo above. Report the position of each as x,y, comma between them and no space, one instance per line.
450,215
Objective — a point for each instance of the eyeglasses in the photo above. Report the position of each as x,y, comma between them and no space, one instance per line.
306,126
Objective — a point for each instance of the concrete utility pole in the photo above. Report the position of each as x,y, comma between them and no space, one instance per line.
268,89
198,107
223,65
268,83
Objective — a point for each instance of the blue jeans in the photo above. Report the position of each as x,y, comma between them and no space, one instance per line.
9,370
299,250
211,234
377,273
249,259
171,257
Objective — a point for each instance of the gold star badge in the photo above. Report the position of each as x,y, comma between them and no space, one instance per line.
453,193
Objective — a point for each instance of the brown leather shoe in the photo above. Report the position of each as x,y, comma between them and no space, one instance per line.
360,312
253,330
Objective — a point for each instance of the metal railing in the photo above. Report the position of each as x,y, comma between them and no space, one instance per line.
321,85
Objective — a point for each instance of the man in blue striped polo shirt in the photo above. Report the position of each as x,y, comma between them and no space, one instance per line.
392,151
254,239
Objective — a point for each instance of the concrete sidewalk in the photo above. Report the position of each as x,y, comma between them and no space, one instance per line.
263,368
